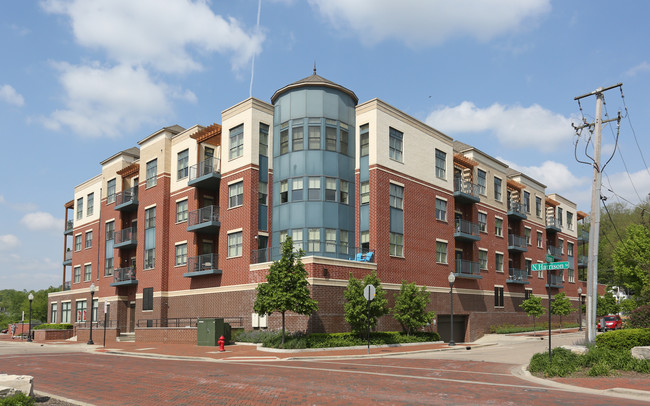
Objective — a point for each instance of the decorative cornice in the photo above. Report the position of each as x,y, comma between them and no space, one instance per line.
129,171
464,161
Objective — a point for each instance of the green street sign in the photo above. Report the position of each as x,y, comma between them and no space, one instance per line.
549,258
550,266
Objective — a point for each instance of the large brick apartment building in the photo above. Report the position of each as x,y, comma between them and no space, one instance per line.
185,225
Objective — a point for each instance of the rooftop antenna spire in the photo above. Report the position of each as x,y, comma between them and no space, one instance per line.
314,66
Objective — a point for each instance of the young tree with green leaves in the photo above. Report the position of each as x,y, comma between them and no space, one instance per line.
411,307
606,304
356,306
533,307
561,306
286,288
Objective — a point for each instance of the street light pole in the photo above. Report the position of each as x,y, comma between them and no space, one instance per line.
92,295
29,336
451,279
580,308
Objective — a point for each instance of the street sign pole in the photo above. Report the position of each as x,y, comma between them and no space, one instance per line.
369,293
549,259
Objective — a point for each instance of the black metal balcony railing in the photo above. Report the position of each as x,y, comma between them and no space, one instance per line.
582,260
517,243
556,252
466,190
583,236
69,226
205,174
555,280
467,269
67,286
127,198
325,249
467,230
208,216
205,264
516,210
125,238
516,275
552,223
124,274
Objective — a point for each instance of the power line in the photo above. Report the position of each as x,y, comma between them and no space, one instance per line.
627,114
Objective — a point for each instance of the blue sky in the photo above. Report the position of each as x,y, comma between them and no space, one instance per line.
81,80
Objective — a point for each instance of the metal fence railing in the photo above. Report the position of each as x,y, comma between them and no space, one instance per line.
236,322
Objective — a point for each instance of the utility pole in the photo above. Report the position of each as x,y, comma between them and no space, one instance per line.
594,229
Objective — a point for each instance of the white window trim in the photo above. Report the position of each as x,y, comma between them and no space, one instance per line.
397,183
445,199
503,262
150,206
235,181
234,230
181,199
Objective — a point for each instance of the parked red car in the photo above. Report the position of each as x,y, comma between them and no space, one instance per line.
612,322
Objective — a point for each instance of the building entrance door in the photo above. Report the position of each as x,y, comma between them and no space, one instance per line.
131,317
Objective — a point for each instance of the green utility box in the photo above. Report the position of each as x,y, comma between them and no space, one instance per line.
209,331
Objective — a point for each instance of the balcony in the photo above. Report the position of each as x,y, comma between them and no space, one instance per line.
555,280
202,265
126,238
467,231
583,236
127,200
67,286
204,220
466,192
552,225
467,269
67,258
206,174
582,261
69,226
519,276
124,277
516,211
555,252
517,243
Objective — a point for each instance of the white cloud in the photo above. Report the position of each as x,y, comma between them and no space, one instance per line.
556,176
640,68
430,22
514,126
9,242
42,221
108,101
624,185
156,33
9,95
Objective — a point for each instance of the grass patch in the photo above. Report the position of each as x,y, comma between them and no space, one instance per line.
510,329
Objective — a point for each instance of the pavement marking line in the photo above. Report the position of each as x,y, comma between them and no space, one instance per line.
418,368
145,349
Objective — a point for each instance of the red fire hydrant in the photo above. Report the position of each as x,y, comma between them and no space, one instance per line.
222,342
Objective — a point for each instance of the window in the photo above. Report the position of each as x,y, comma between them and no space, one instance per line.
482,222
344,241
498,227
147,299
330,138
150,218
529,266
284,138
561,245
235,244
87,272
296,236
365,192
110,191
150,238
296,192
283,236
498,262
284,191
569,220
344,139
540,273
181,211
441,164
441,252
527,202
540,243
569,249
314,240
314,188
90,200
538,206
89,239
441,210
527,233
65,312
181,254
559,216
81,310
365,140
236,194
236,142
314,137
108,261
80,208
330,240
94,310
345,186
365,240
53,310
396,245
528,293
183,160
572,276
77,242
298,135
395,144
208,153
263,193
498,296
497,189
330,189
264,139
152,171
396,196
482,182
77,274
482,259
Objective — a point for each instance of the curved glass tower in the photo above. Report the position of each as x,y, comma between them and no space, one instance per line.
313,167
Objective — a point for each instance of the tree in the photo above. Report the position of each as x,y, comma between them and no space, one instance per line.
533,307
356,306
411,307
561,306
286,287
628,305
606,304
631,260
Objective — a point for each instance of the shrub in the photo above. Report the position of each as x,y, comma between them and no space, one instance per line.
640,317
19,399
564,363
50,326
624,339
601,368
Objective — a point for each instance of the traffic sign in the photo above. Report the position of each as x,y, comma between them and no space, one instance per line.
550,266
369,292
549,258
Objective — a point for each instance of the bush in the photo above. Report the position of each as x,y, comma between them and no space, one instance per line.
640,317
564,363
19,399
50,326
624,339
